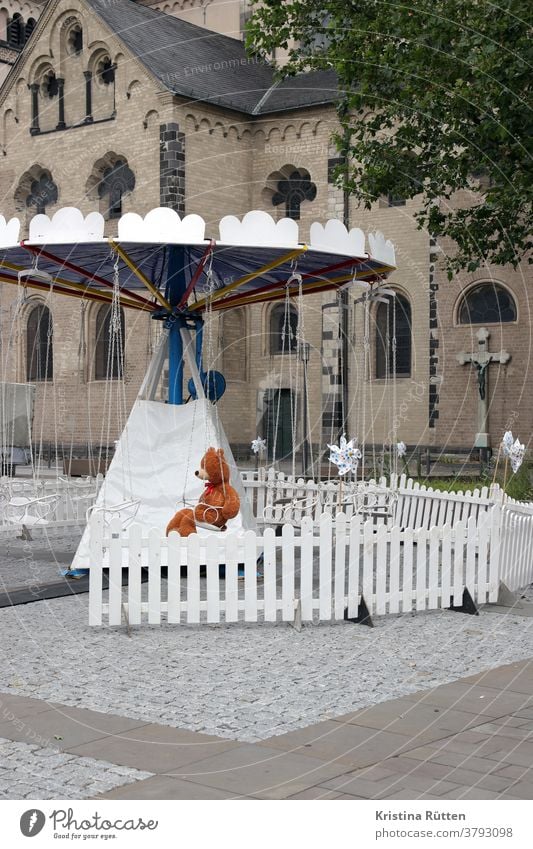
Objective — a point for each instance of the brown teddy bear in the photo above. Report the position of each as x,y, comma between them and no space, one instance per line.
218,502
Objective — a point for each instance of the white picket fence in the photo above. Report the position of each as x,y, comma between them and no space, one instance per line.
313,573
277,498
516,545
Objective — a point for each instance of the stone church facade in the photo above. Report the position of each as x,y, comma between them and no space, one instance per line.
126,106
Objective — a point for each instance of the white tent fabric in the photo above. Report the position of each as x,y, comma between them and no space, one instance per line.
154,464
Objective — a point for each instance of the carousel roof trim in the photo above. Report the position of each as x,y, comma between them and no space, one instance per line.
162,225
258,260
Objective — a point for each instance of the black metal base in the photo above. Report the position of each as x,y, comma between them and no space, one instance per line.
468,606
363,615
58,589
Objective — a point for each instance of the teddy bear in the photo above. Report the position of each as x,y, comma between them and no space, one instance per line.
218,502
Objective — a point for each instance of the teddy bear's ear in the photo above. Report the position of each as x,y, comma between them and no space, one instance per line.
220,452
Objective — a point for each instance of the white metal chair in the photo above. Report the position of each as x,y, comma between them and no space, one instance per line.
125,511
28,511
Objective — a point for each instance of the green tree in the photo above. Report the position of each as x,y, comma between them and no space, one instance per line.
434,98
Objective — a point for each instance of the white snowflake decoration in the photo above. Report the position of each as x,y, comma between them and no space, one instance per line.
401,448
516,455
258,445
345,456
507,442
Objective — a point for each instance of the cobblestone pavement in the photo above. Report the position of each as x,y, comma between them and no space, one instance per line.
24,563
29,771
245,682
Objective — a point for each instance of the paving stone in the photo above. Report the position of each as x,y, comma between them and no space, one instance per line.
333,742
521,790
159,749
519,772
475,699
64,776
196,677
261,772
517,677
167,787
61,730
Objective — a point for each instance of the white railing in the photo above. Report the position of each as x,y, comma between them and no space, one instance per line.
419,506
310,573
277,498
516,545
46,501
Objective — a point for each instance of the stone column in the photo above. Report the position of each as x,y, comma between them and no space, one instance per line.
172,167
88,96
34,129
61,94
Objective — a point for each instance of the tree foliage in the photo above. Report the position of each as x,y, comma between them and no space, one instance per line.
434,101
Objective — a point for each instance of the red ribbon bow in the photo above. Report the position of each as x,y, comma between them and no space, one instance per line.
209,487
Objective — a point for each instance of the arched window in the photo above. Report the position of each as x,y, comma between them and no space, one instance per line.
234,344
292,190
30,26
385,322
104,71
109,347
283,329
117,181
39,348
43,193
49,85
487,303
75,40
15,31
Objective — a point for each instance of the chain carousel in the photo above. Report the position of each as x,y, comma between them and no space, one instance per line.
168,268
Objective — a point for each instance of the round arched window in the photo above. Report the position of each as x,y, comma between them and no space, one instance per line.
487,303
283,329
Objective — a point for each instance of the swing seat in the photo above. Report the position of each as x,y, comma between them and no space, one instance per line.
207,527
125,511
24,510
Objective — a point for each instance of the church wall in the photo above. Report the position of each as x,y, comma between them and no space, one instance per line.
411,279
71,156
218,163
509,386
222,16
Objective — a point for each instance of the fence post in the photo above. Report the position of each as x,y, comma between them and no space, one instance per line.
96,554
495,576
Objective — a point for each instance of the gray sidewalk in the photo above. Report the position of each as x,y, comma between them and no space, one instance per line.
472,739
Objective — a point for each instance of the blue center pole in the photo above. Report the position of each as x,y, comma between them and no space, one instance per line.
175,363
175,288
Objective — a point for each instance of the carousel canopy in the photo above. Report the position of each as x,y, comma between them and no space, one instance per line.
252,261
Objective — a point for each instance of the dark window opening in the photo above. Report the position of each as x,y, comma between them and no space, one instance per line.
292,191
117,181
39,348
50,86
283,330
30,26
384,338
106,72
43,193
109,349
15,31
395,200
75,40
487,303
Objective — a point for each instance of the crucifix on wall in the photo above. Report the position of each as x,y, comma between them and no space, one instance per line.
481,359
